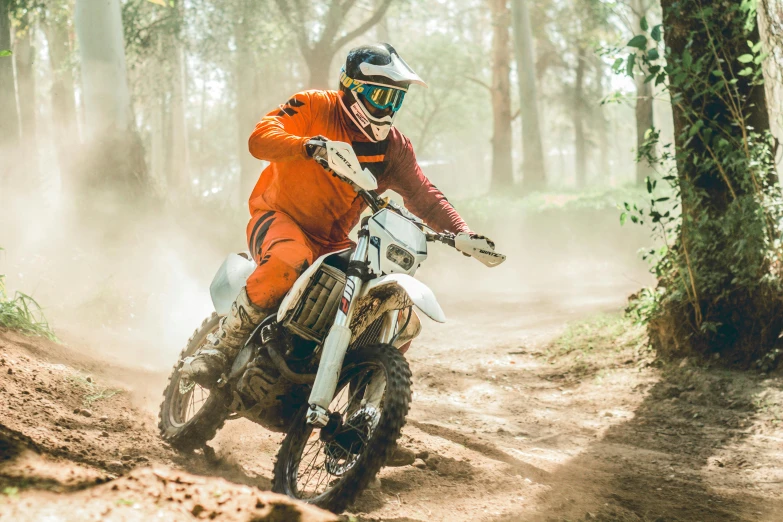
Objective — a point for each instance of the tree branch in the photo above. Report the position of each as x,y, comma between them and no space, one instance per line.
476,80
297,26
363,28
334,18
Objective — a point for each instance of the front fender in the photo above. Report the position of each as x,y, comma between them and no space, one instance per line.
418,292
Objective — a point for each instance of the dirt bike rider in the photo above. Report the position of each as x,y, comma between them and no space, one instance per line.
299,211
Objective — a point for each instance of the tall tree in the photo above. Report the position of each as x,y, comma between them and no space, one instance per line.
305,19
533,166
57,28
114,145
178,163
644,93
502,170
578,114
25,80
9,116
248,107
720,282
601,125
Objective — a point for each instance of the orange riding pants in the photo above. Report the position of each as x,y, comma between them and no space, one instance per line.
282,251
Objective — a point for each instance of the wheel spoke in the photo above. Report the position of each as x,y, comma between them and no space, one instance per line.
321,465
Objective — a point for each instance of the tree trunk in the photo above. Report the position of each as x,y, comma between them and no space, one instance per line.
179,151
644,102
719,295
502,171
25,81
533,166
116,156
248,111
157,143
382,29
63,99
9,117
319,64
601,124
580,147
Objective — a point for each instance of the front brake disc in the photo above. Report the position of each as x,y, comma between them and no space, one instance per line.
185,385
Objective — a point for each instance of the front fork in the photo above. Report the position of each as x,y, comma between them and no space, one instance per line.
337,342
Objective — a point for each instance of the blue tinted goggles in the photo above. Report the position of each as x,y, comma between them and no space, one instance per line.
379,96
383,97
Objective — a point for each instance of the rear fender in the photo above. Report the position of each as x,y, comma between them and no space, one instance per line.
229,281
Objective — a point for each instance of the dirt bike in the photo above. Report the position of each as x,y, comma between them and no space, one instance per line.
328,369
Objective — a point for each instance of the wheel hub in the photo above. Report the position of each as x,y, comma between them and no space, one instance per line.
347,441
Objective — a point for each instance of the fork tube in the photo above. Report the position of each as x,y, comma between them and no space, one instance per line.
336,343
389,326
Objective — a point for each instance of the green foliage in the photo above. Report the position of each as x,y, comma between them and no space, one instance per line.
597,335
92,392
718,210
5,52
12,492
22,313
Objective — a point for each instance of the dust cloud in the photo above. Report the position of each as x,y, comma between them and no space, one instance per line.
132,288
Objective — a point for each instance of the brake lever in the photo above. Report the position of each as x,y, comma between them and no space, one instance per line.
446,238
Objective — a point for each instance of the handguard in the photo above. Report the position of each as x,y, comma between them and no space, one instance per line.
478,248
342,161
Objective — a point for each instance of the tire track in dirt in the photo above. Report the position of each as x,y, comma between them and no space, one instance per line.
504,430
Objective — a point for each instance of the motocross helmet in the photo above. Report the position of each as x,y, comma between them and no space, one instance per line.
377,75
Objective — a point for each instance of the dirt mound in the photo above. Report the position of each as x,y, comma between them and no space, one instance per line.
71,410
74,446
164,494
449,467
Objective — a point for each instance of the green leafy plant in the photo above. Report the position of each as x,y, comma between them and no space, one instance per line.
718,207
92,391
11,492
22,313
5,52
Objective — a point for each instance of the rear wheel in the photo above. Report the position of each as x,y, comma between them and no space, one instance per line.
331,466
190,415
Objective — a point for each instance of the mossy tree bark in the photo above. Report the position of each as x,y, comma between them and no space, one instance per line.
721,292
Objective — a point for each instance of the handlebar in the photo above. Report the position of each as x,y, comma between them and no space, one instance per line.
349,170
446,238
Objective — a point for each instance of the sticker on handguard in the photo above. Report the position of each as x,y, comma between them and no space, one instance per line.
493,254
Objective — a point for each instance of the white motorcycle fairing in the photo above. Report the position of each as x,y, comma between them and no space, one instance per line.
229,280
418,292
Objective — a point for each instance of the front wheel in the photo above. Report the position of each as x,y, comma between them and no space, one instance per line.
331,466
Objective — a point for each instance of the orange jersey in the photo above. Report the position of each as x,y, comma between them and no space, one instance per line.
323,206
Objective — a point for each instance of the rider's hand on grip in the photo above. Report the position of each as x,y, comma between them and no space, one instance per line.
478,246
316,149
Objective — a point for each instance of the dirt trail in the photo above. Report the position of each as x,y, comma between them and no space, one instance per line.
507,428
